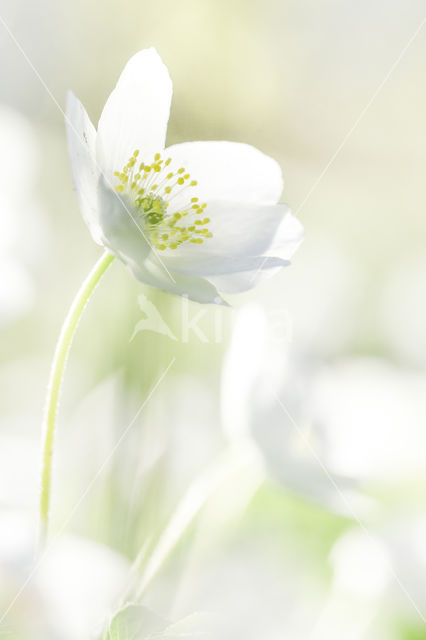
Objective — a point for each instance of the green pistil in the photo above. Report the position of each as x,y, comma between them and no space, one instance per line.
150,187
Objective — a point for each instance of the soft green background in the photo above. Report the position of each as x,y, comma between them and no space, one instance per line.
335,91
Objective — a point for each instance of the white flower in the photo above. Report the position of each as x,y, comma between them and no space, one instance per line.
267,399
68,594
23,228
193,218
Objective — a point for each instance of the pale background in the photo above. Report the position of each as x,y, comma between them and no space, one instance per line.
335,91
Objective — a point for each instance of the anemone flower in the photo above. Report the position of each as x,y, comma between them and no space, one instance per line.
194,219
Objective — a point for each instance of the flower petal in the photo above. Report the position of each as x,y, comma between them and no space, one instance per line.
239,229
192,286
288,238
244,280
81,145
221,265
229,171
121,230
136,113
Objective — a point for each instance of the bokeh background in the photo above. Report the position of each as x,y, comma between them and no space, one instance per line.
315,382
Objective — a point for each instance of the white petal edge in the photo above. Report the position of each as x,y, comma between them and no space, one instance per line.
288,238
153,273
136,113
222,265
230,171
239,229
239,282
81,136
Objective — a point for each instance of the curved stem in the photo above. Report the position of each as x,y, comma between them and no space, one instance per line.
55,381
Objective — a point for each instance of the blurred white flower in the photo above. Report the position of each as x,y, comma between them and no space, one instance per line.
374,416
269,402
324,429
405,538
68,596
327,321
192,219
376,571
361,564
361,574
403,309
22,223
16,289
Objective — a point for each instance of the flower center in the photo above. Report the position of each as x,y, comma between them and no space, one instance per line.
152,187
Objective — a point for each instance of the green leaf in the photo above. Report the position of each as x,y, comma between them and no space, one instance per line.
134,622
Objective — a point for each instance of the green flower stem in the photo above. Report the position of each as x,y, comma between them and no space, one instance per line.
55,381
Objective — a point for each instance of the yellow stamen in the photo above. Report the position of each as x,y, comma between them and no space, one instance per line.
165,230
